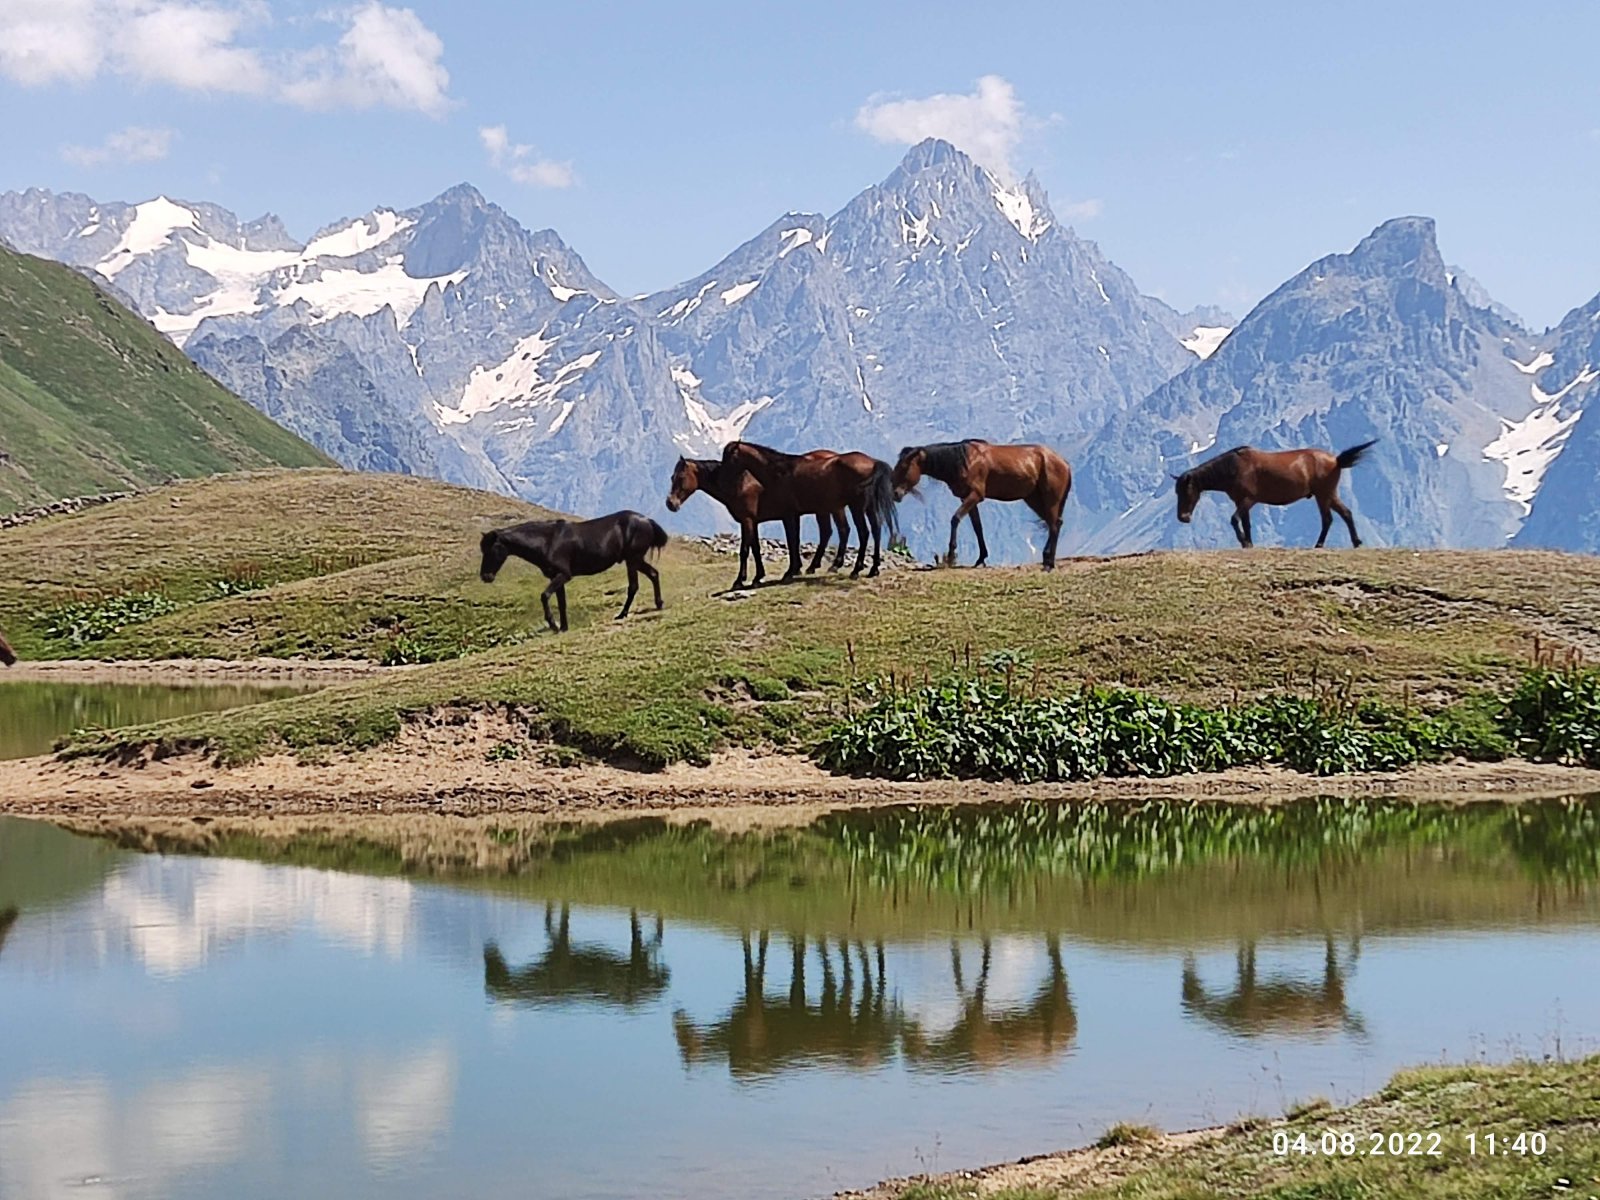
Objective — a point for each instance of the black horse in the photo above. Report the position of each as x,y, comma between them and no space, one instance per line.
565,549
9,656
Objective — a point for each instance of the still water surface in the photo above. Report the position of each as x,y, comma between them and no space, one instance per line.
647,1010
34,714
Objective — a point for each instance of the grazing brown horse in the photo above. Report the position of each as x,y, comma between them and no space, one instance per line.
1250,477
564,549
7,654
747,503
823,482
975,471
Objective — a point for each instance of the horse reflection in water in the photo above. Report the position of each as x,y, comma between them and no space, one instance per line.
1277,1004
858,1022
582,971
8,918
1039,1027
853,1022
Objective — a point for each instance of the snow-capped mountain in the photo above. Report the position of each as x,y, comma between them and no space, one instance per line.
448,340
1377,343
1552,455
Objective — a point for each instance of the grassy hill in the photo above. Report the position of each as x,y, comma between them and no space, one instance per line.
329,564
93,399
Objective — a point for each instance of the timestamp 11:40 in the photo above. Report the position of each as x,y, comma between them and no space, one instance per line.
1523,1143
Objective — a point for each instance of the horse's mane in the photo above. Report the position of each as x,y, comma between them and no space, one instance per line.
944,460
778,458
1219,469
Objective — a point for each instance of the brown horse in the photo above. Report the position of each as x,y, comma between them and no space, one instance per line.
975,471
1250,477
7,654
747,503
824,482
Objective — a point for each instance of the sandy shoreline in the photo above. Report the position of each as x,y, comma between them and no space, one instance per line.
445,769
180,671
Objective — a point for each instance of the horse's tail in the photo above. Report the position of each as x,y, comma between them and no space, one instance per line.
658,536
881,509
7,654
1350,457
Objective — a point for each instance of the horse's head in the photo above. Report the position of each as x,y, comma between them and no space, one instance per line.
494,555
685,483
908,470
1188,490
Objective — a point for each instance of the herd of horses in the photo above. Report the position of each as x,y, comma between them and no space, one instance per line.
757,484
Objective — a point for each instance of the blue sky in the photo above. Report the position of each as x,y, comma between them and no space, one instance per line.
1212,149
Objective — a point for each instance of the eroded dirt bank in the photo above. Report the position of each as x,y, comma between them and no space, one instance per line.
456,769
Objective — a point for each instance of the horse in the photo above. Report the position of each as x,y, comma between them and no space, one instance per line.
975,471
7,654
823,482
1250,477
747,503
565,549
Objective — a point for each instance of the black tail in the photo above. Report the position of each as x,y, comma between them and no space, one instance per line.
658,535
881,510
1350,457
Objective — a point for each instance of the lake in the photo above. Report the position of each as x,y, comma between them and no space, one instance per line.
480,1008
34,714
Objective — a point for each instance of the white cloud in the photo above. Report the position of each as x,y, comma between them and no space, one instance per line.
987,123
135,144
518,161
386,57
187,45
1081,210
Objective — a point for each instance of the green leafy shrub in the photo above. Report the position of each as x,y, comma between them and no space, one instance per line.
980,726
84,621
1554,713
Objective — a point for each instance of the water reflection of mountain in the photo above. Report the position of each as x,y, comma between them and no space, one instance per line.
577,972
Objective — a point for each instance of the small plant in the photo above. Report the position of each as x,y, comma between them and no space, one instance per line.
1124,1133
504,752
82,621
1554,713
240,576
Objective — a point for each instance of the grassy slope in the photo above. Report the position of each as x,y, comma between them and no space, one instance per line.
94,399
772,666
1562,1100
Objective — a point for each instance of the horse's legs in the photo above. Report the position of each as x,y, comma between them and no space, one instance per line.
977,528
748,546
1338,506
558,586
844,539
858,512
791,531
1051,516
824,531
654,576
633,589
877,546
966,506
1241,524
1327,521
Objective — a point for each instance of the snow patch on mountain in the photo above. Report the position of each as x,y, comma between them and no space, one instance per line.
739,291
1528,447
489,387
795,238
356,238
1203,340
358,293
710,432
1017,208
154,222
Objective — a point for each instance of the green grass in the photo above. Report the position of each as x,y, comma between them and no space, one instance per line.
1560,1100
94,399
384,568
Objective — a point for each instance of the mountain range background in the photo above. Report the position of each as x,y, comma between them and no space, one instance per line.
945,302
